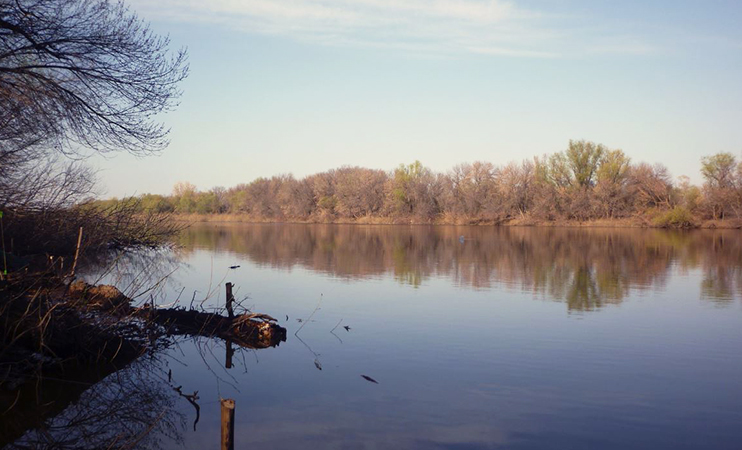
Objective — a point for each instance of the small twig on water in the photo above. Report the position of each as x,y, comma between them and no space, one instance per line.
332,332
175,301
317,363
192,400
310,316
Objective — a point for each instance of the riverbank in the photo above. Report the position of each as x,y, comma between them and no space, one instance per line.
635,222
62,338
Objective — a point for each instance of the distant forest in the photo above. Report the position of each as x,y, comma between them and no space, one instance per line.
585,182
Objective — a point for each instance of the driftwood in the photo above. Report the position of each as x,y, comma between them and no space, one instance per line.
249,330
245,330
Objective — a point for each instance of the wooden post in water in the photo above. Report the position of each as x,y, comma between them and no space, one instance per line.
230,299
230,352
227,424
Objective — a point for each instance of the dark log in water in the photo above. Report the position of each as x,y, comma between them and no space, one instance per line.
245,330
251,330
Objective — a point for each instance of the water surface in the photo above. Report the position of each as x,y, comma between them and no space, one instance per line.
478,337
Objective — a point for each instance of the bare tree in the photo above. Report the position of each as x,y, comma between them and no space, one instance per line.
46,184
296,198
83,74
76,77
323,186
516,187
651,186
359,191
551,188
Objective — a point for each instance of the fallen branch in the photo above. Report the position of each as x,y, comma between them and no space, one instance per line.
251,330
245,330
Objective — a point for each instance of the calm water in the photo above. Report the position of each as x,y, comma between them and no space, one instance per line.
510,338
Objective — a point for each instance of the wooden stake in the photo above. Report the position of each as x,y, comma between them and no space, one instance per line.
230,352
77,252
227,424
230,299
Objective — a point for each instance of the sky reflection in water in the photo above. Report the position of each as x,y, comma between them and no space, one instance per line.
516,338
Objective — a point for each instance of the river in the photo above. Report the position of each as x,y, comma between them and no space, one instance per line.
452,337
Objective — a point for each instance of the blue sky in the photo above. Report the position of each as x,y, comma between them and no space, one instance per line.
302,86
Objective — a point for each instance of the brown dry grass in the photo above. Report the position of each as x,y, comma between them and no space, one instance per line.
634,222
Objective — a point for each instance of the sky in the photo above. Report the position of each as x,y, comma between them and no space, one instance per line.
303,86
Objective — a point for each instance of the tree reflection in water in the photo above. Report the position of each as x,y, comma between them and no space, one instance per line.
585,267
107,407
129,408
139,273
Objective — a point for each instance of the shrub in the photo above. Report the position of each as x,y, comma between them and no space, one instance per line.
678,217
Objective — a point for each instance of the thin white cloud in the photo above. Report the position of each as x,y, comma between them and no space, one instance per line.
447,27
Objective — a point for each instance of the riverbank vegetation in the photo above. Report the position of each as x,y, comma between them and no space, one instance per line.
587,182
77,78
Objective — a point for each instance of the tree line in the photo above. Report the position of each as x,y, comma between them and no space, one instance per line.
587,181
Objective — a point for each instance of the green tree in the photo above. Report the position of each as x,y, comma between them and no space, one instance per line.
611,189
153,203
206,203
723,183
688,196
613,167
584,158
404,177
184,197
237,199
557,171
719,170
415,191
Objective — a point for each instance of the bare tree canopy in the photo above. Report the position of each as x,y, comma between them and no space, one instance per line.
82,74
587,181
